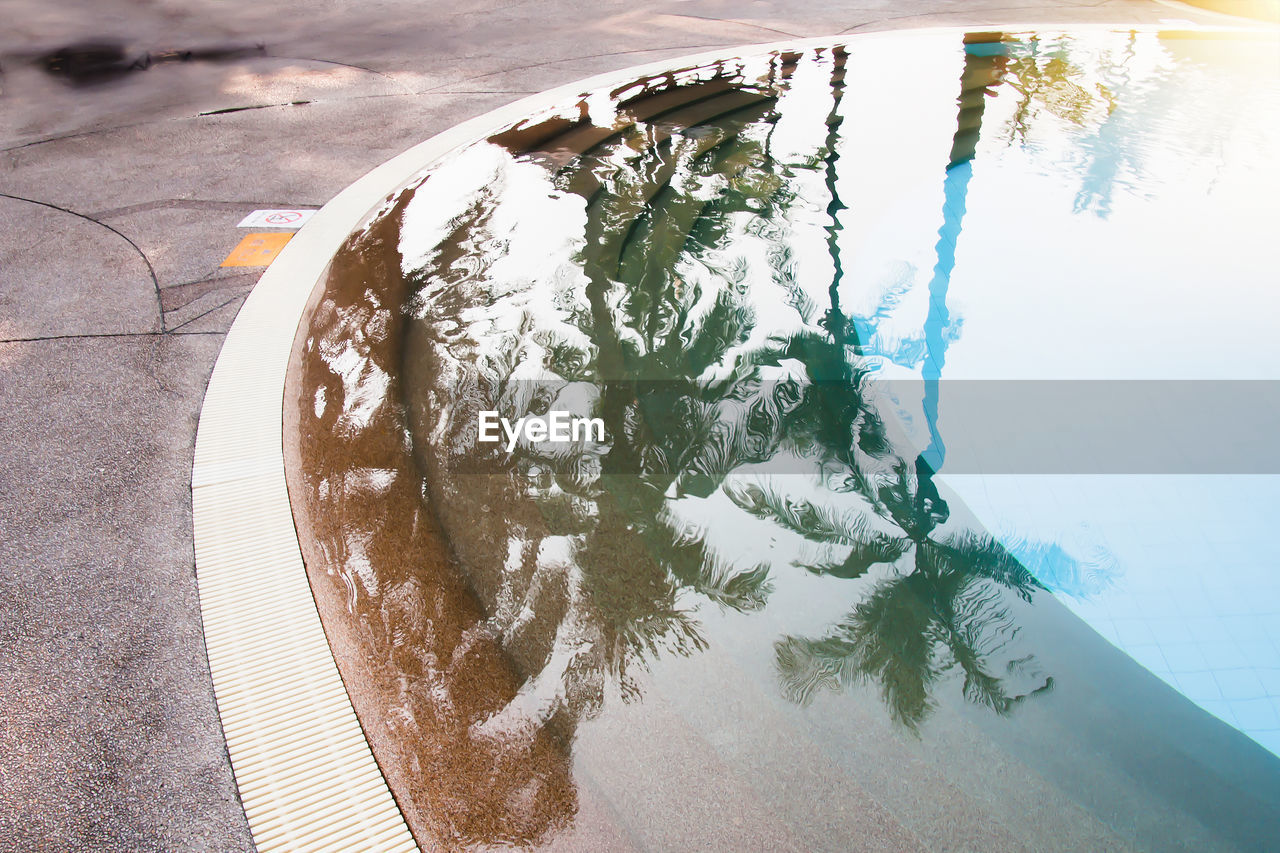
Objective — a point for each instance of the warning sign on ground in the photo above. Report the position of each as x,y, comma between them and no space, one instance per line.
276,219
257,250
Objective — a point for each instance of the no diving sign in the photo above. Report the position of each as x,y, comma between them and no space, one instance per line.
276,219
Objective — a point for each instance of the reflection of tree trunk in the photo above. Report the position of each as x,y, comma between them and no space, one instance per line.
836,323
984,63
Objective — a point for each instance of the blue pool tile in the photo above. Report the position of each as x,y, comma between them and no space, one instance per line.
1239,684
1184,657
1107,629
1133,632
1199,687
1270,678
1249,632
1151,657
1256,714
1268,739
1207,629
1260,655
1231,602
1224,655
1220,709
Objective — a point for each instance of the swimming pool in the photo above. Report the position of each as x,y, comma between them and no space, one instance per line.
932,370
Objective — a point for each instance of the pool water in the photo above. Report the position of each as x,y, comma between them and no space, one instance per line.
937,380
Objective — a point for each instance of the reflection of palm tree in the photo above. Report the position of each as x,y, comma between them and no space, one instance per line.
911,629
1111,114
1051,81
900,636
671,343
596,591
663,420
949,601
984,66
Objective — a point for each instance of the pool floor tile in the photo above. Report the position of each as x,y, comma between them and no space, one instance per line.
1222,710
1199,687
1268,739
1239,684
1270,678
1184,657
1256,714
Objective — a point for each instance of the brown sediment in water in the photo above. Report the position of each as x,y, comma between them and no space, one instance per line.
406,630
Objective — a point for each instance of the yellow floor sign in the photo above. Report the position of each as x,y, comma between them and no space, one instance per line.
257,250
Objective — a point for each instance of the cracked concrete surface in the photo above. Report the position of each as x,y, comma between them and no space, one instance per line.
118,200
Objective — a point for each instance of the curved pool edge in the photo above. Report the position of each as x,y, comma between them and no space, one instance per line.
306,775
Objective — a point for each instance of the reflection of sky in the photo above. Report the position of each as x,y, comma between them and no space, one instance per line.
1034,278
1139,244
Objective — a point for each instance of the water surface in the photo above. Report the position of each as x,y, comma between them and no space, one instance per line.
819,587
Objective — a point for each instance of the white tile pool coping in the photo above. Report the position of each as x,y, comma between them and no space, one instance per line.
306,775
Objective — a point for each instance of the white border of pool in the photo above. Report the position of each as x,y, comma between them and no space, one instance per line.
307,778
